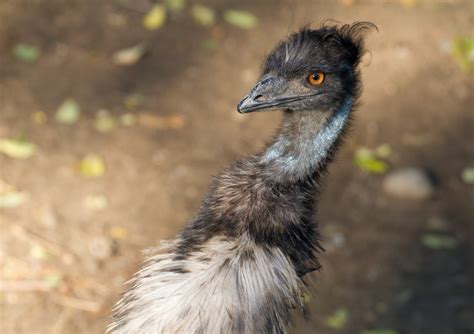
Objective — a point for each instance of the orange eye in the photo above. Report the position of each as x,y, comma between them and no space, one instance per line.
316,78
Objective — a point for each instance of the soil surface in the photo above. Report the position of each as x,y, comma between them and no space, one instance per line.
67,250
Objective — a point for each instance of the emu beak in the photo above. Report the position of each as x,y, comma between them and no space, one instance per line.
263,96
270,93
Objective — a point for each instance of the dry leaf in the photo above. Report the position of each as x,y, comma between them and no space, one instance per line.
12,199
133,101
155,18
438,241
241,19
306,298
383,151
96,202
26,52
68,112
92,165
128,119
104,122
118,232
338,319
129,56
17,148
366,160
175,5
203,15
38,252
467,175
463,52
39,117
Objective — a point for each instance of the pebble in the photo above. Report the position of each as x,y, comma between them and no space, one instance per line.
410,183
101,248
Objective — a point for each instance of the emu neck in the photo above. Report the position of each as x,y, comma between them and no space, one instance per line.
305,141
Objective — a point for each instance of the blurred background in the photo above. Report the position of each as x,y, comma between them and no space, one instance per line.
115,113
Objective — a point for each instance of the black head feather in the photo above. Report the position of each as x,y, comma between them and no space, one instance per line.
330,48
334,50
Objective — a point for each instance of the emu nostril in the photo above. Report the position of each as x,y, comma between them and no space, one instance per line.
259,98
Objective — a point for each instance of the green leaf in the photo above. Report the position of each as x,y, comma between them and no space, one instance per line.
366,160
128,119
338,319
68,112
175,5
306,298
467,175
463,53
155,18
92,165
17,148
437,241
133,101
104,122
203,15
241,19
380,331
26,52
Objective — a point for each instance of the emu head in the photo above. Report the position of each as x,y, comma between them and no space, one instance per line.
311,70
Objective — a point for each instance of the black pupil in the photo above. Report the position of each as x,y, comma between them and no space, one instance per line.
315,76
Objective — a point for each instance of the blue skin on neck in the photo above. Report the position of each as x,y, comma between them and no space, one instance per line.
312,151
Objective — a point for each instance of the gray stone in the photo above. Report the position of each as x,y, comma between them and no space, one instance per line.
101,248
412,183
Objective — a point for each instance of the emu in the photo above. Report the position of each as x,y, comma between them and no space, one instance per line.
239,265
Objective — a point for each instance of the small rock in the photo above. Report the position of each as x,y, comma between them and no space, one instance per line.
101,248
409,183
129,56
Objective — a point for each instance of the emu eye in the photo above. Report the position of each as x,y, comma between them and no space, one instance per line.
316,78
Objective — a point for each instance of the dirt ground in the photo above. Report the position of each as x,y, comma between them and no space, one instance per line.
64,260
